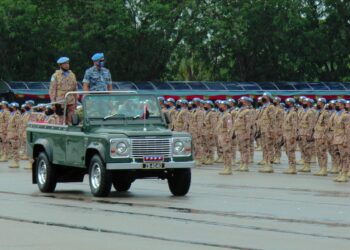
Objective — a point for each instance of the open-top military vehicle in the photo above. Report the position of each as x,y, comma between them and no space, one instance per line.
120,137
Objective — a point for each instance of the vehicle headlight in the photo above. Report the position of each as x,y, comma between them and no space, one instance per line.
120,148
182,146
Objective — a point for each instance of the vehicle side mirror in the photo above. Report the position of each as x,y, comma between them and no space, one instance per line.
166,117
75,120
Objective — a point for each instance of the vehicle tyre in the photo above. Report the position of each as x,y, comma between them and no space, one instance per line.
121,186
179,181
99,178
45,174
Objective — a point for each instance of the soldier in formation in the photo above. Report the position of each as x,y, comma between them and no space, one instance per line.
220,129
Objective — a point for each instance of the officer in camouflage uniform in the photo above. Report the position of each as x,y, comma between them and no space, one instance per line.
330,136
267,127
300,114
197,130
182,119
278,130
210,122
342,139
23,133
12,136
306,126
252,118
62,82
172,112
290,128
242,132
225,133
234,111
320,133
4,118
1,113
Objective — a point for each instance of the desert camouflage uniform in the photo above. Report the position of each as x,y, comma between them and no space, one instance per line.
321,140
225,130
197,130
182,120
210,122
331,147
4,118
290,128
12,136
279,134
306,126
23,134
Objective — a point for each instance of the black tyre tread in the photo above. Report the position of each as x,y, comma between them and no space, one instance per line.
106,183
51,179
180,181
121,186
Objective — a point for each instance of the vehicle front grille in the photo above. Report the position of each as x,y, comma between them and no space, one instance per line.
150,147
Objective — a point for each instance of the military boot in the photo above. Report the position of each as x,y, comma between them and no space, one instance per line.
24,157
3,158
258,148
291,170
343,177
14,164
262,162
28,165
338,176
349,174
244,168
238,162
209,162
226,171
198,163
220,160
334,169
267,168
321,172
277,160
306,168
300,162
313,159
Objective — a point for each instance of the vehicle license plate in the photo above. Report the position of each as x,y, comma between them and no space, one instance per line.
153,165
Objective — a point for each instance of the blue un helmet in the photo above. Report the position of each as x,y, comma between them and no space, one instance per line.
341,100
5,103
333,102
170,100
321,99
14,105
278,99
244,98
30,102
268,94
291,100
231,100
210,103
160,98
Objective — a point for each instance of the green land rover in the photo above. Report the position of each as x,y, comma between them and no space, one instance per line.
120,137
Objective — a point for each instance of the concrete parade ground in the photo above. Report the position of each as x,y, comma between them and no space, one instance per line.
242,211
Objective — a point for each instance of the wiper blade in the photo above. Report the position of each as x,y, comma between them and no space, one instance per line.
112,115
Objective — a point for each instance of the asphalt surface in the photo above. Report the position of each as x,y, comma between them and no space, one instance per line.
242,211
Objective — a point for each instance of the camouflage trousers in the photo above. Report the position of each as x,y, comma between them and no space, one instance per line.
291,146
332,151
307,149
208,146
244,146
277,146
226,144
23,146
343,157
251,148
321,152
268,147
198,146
12,148
70,112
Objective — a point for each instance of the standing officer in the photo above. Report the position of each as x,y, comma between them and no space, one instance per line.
1,113
224,129
198,123
267,128
278,130
210,122
341,139
242,132
62,82
290,128
330,136
183,117
172,112
4,118
306,126
320,133
23,133
97,78
12,136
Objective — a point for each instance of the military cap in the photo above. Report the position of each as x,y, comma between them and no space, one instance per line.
196,99
97,56
62,60
244,98
310,100
209,102
160,98
342,101
231,100
321,99
292,100
5,103
333,101
224,102
184,101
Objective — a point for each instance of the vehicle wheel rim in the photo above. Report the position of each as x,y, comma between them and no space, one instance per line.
96,176
42,172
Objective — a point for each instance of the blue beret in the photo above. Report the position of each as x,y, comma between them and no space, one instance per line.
62,60
97,56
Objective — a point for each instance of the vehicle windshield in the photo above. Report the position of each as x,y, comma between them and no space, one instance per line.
121,106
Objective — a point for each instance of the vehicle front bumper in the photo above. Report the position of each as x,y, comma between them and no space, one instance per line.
137,165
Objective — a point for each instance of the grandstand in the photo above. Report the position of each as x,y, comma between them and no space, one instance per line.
20,91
